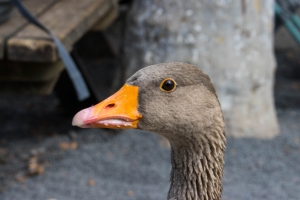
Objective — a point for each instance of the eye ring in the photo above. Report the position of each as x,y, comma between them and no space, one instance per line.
168,85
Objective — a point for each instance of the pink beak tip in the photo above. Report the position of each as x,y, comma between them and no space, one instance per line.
81,117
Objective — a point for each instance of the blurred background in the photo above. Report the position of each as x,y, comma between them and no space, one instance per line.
249,48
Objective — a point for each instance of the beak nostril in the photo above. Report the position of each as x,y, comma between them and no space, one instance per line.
111,105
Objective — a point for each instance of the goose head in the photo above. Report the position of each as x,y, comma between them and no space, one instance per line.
177,101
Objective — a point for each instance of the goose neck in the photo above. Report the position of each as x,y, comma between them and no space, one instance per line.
197,170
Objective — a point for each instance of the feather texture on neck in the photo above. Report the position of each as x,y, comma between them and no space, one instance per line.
197,167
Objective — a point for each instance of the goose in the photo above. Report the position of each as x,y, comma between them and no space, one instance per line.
178,101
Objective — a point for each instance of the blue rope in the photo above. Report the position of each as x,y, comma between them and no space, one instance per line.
75,75
289,19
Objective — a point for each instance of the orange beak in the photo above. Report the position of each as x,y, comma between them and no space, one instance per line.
117,111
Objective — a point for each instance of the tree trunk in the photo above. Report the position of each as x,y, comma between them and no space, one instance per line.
231,41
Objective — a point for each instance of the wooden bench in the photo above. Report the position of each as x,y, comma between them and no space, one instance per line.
28,58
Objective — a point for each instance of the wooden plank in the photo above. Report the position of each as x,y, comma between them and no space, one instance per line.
43,87
104,22
16,21
67,19
29,77
29,72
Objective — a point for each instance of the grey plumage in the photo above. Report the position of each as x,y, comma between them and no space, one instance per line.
191,119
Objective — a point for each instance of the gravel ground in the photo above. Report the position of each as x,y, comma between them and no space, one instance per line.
43,157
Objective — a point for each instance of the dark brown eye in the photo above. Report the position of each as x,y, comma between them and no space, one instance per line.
168,85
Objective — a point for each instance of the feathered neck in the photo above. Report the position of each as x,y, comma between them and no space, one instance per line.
197,167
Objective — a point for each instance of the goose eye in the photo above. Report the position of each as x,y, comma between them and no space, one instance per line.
168,85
